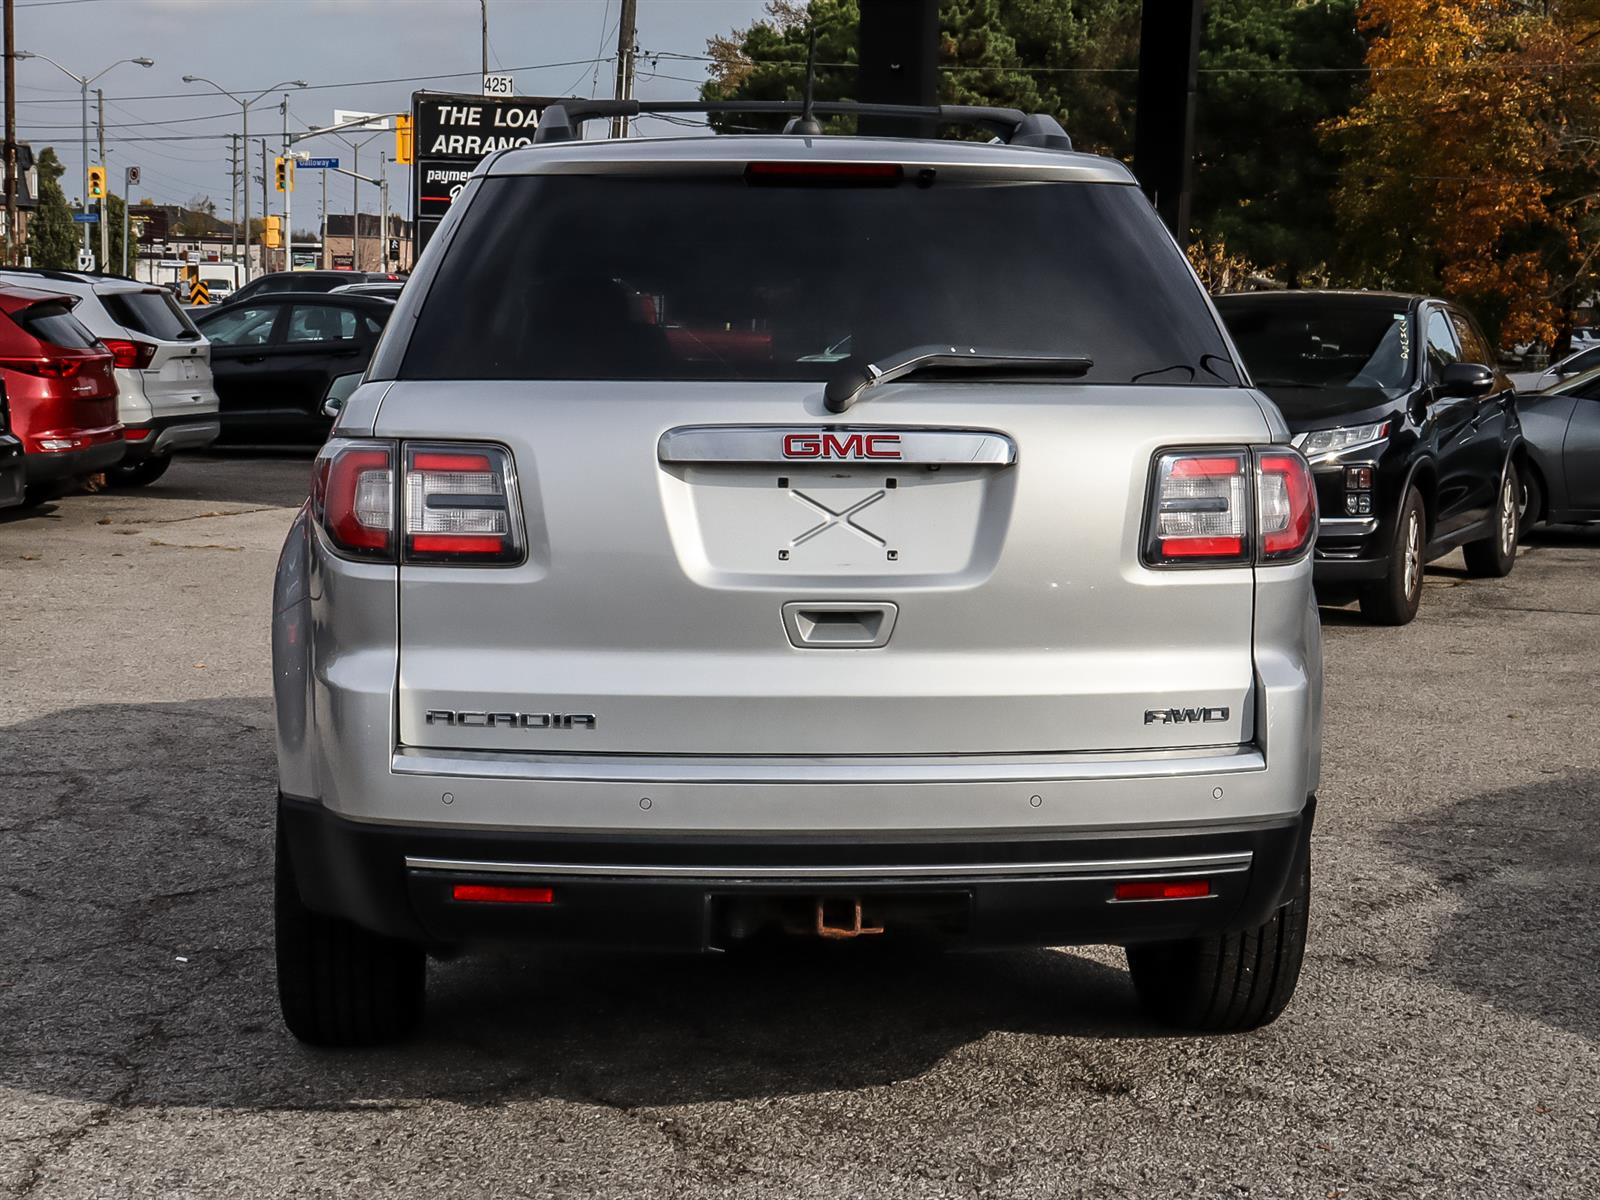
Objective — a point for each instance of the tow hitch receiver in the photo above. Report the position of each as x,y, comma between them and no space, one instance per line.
846,914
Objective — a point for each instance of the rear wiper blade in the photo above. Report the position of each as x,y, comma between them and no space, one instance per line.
845,388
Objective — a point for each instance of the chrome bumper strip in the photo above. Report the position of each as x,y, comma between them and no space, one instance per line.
1198,864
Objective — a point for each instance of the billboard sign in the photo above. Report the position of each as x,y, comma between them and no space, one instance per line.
452,134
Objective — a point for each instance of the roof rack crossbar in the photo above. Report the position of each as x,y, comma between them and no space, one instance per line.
563,120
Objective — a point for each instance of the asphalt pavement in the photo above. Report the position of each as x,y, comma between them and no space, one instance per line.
1445,1040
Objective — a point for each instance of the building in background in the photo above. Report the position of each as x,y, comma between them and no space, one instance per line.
381,246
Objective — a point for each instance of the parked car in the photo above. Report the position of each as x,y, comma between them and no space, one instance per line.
275,282
1561,482
1576,363
13,471
61,387
273,358
165,400
590,637
1411,431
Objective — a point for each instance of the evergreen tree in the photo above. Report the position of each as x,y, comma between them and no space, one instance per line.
53,237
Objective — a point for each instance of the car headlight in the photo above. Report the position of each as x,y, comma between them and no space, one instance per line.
1320,443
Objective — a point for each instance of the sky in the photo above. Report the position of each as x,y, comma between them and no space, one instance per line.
342,48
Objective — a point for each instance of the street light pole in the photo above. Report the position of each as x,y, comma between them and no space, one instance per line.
244,109
83,82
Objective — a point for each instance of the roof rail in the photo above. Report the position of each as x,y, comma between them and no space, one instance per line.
562,121
63,275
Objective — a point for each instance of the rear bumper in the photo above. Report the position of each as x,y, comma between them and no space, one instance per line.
100,449
691,892
164,435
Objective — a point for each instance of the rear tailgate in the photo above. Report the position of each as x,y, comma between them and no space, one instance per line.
177,377
683,602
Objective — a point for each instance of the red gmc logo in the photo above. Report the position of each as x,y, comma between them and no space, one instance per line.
833,445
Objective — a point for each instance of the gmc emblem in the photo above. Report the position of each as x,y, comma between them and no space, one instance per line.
833,445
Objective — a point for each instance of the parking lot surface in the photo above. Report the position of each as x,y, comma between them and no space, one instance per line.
1445,1039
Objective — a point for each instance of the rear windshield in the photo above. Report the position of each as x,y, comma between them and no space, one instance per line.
154,314
705,278
1322,343
52,321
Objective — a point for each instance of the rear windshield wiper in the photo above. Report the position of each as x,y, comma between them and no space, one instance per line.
848,386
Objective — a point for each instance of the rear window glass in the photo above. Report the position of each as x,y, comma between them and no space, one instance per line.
52,321
608,277
154,314
1322,342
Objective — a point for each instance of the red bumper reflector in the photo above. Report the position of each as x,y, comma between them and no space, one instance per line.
135,435
484,894
457,543
1201,547
1157,889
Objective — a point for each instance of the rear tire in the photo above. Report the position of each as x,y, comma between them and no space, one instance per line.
1394,599
1226,982
1494,557
1532,507
139,474
339,984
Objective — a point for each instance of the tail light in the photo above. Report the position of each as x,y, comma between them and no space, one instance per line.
128,354
46,368
456,502
352,497
460,505
1287,504
1229,507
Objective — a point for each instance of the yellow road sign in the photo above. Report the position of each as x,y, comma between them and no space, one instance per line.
199,293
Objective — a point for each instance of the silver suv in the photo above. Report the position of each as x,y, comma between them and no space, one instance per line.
784,536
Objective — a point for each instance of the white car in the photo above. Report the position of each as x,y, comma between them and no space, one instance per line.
165,399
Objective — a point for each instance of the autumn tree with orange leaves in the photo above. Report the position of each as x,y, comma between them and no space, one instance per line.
1469,165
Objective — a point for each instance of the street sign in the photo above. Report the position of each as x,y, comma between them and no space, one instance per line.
87,218
85,261
199,293
192,257
133,175
372,121
319,164
499,85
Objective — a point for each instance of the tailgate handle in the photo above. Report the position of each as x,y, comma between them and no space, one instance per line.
838,624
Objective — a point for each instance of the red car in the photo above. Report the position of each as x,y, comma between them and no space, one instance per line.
61,386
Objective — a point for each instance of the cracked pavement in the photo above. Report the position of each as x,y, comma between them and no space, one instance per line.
1444,1041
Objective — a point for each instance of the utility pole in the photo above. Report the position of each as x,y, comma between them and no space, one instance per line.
288,189
265,183
105,233
484,4
324,261
233,194
127,204
13,224
627,42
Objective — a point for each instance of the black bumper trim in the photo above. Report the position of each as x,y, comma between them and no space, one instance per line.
359,871
55,466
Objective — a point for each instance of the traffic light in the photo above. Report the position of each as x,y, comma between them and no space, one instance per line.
272,235
97,183
403,145
285,174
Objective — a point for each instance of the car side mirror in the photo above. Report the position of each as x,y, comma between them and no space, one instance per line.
339,391
1466,381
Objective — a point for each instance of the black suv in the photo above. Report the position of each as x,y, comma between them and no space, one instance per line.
306,281
1411,430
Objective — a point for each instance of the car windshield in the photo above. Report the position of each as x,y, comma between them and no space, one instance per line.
706,278
1331,342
